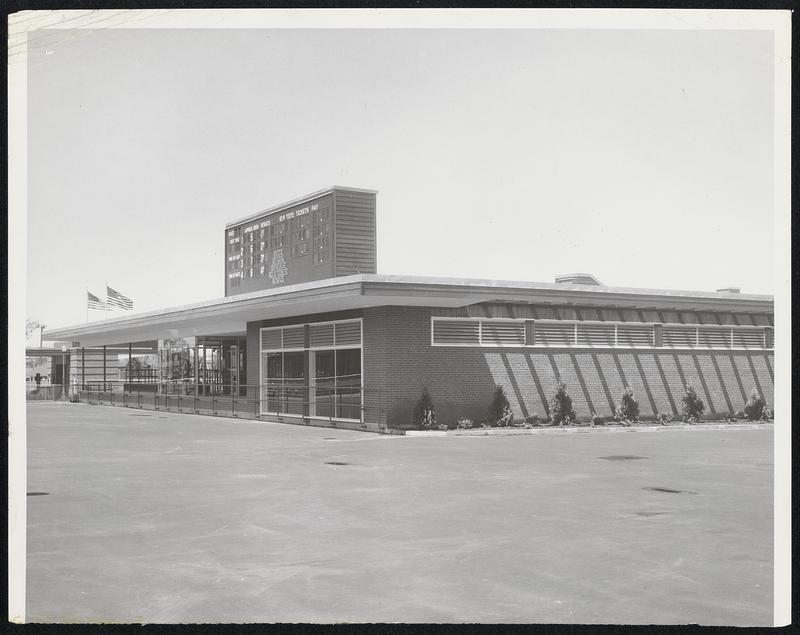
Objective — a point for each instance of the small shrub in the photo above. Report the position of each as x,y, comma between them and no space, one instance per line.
620,418
664,418
739,414
754,408
442,426
533,420
499,413
692,407
464,424
766,415
597,420
561,408
628,409
424,412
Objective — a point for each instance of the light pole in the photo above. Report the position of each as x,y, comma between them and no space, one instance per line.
64,372
42,327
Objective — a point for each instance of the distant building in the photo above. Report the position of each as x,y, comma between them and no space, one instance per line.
309,333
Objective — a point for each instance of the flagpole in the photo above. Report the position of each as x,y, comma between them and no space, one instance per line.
105,315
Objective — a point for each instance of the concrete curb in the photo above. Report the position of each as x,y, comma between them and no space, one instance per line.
480,432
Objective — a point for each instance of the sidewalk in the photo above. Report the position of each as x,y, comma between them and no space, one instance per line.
478,432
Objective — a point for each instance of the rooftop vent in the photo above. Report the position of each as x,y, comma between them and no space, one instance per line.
730,290
578,278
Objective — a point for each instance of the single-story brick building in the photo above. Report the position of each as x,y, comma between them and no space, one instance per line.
309,332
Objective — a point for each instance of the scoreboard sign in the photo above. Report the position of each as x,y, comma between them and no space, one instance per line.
292,244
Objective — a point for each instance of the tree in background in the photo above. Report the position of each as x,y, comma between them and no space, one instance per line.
628,409
692,407
561,407
756,406
499,413
424,412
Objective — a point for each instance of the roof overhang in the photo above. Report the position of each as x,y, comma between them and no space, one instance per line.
230,315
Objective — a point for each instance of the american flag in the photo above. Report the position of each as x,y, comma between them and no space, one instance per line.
93,302
115,298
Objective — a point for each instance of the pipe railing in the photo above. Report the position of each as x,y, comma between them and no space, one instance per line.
273,400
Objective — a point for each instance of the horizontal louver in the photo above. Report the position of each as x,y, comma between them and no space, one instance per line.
294,337
455,332
320,335
679,336
271,340
595,334
748,338
497,333
710,337
553,334
348,333
639,335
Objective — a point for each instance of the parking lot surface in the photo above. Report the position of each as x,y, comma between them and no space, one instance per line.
156,517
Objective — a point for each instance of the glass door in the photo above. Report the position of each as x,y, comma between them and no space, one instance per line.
273,377
294,379
348,383
323,380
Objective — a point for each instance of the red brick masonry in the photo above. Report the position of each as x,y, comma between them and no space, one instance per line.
399,362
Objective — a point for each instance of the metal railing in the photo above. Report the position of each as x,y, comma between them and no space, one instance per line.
342,405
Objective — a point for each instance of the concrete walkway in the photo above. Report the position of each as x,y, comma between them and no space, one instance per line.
149,517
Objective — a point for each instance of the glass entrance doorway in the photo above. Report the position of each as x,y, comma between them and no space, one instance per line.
312,370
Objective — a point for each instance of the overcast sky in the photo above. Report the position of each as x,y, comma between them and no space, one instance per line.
642,157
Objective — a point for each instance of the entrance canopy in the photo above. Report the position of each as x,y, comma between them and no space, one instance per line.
230,315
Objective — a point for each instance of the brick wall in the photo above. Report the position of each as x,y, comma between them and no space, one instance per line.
399,362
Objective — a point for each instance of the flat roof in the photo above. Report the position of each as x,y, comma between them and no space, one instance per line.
229,315
297,201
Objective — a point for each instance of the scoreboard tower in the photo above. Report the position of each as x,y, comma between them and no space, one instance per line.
326,234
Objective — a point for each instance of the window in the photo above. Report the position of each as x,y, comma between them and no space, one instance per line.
456,332
675,336
497,332
635,335
553,333
320,335
322,379
593,334
749,338
714,337
500,333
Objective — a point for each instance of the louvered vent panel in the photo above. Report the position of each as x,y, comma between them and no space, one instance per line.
271,340
639,335
294,337
348,334
748,338
320,335
595,335
715,338
503,333
455,332
679,336
553,334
